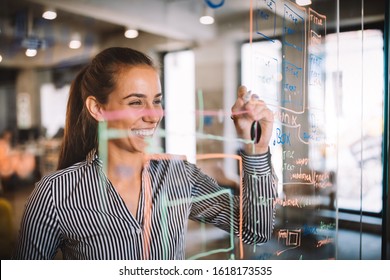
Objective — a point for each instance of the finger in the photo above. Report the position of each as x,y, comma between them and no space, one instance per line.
242,91
240,101
255,97
256,109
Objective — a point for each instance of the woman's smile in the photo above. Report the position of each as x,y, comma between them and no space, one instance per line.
142,132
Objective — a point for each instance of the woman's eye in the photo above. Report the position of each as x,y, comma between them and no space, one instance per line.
158,102
135,103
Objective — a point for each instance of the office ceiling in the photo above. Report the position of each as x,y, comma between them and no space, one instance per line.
21,24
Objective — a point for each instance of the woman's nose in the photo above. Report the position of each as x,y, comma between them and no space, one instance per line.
152,114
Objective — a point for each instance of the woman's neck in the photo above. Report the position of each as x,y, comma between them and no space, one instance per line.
124,165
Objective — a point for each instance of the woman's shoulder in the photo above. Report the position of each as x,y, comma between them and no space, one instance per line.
62,174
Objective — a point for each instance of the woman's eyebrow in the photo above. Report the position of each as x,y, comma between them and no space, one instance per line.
139,95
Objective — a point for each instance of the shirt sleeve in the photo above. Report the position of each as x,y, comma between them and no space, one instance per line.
39,235
216,205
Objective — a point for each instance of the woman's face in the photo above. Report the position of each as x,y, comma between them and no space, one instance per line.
135,107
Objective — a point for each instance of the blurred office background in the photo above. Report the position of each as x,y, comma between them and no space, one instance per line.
44,43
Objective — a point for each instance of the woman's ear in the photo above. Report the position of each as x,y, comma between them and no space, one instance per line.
94,108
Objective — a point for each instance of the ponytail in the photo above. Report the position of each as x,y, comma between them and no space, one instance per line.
80,133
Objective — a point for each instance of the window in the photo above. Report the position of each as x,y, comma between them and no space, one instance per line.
179,100
357,103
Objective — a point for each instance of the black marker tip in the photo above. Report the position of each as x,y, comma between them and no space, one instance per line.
256,131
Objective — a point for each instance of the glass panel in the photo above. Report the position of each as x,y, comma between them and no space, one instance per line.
287,68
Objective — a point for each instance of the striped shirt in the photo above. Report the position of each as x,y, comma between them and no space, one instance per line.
78,210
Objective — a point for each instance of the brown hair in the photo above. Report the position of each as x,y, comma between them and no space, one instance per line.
97,79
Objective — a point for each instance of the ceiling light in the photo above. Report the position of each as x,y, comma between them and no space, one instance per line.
31,52
49,14
75,42
131,33
303,2
207,17
1,58
206,20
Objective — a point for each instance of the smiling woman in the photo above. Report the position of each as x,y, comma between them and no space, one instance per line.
138,206
138,91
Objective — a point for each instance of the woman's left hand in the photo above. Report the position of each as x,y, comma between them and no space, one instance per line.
245,111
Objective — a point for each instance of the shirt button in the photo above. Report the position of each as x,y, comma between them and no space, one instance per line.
139,231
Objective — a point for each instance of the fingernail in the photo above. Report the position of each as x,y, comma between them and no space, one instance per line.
247,96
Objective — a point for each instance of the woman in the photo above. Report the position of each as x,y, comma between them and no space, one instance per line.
133,205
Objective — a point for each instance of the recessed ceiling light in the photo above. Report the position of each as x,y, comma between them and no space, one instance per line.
206,20
31,52
131,33
75,44
49,14
303,2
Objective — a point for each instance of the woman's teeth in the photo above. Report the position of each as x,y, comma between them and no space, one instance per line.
142,132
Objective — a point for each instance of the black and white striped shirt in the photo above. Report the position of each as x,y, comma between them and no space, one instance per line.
78,210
